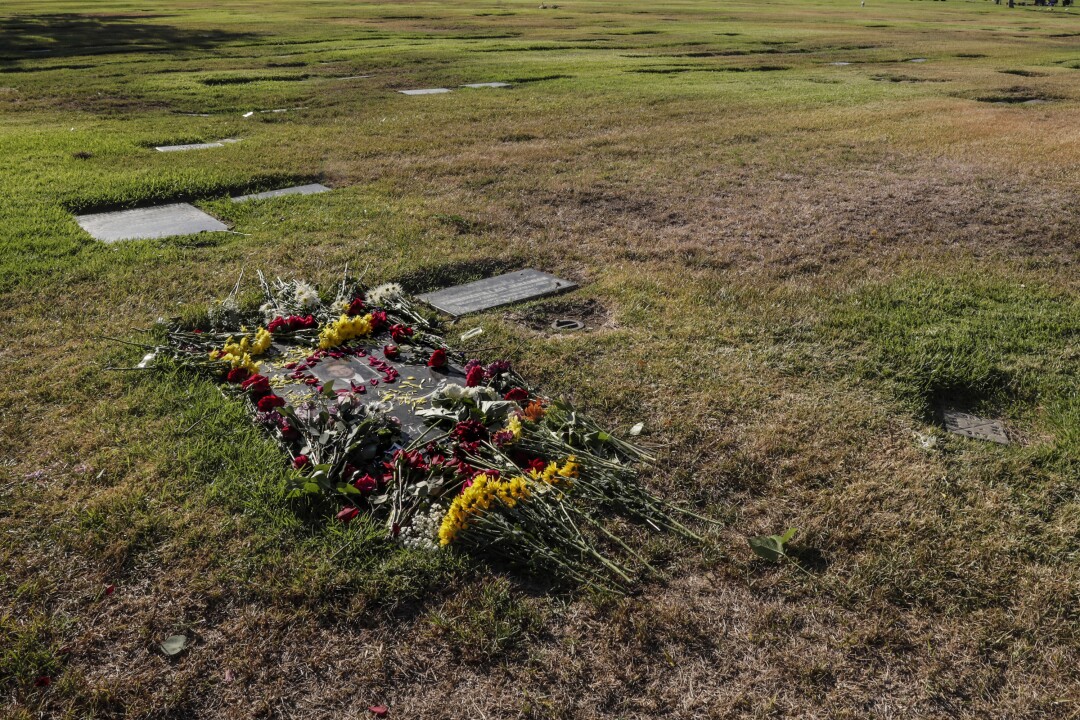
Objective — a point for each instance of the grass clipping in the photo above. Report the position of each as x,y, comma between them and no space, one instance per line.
497,470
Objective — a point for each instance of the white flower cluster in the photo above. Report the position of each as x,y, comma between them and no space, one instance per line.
379,295
453,391
305,295
423,532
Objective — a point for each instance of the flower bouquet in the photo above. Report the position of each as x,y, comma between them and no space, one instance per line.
375,414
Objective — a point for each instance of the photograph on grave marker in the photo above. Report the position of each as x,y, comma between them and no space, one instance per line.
377,415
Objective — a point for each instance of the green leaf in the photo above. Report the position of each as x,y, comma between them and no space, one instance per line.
328,388
174,645
772,547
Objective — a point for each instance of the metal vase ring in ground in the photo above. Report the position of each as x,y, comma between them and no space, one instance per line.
380,417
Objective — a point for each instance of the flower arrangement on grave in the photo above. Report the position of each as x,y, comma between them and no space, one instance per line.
485,464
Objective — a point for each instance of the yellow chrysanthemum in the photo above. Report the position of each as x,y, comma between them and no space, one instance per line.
343,329
514,426
477,499
555,475
237,355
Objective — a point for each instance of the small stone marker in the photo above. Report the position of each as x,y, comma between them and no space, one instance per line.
312,189
919,60
425,91
487,85
840,63
148,223
496,292
196,146
961,423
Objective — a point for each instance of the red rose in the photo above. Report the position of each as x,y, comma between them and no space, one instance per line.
400,333
237,375
516,395
391,352
355,307
378,319
347,514
269,402
437,359
300,461
287,430
537,464
474,377
257,385
366,484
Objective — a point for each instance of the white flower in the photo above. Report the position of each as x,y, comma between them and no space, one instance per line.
385,292
481,392
453,391
305,296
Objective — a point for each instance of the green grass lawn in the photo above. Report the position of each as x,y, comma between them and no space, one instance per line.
791,265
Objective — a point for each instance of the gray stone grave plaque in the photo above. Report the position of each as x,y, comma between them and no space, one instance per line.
410,392
917,60
196,146
840,63
961,423
496,292
425,91
488,85
147,223
312,189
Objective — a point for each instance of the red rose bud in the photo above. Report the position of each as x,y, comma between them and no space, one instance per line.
237,375
378,710
110,589
391,352
355,307
347,514
437,359
516,395
300,461
269,402
474,377
400,333
257,385
378,319
366,484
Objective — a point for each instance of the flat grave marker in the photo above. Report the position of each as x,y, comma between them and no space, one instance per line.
196,146
412,391
961,423
149,223
425,91
488,85
496,291
311,189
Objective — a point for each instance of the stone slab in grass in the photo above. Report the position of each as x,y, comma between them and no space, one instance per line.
148,223
496,291
488,85
196,146
961,423
312,189
425,91
412,391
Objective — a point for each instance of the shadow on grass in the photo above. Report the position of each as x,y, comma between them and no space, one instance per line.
69,34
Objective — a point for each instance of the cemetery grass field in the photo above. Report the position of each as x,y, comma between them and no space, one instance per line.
789,267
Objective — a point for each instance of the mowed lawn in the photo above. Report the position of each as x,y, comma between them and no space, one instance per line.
790,266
